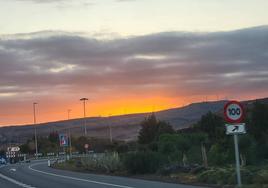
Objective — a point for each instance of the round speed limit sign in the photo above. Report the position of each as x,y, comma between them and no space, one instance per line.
233,112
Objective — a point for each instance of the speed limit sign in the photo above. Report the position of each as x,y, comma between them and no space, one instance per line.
233,112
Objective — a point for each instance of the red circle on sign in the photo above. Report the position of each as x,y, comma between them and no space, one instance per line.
86,146
227,116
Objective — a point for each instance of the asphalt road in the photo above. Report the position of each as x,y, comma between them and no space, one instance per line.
38,175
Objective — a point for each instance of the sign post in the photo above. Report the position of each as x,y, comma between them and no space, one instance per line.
237,162
234,114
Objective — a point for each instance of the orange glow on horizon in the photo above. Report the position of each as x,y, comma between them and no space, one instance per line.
94,108
130,106
55,110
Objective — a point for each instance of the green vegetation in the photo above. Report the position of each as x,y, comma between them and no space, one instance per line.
50,144
201,154
108,163
142,162
151,129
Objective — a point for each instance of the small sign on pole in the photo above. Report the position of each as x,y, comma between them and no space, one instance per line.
13,149
63,140
235,128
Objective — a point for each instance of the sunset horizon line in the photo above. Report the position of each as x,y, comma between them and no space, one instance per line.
131,113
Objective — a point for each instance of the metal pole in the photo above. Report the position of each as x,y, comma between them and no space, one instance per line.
110,130
70,139
84,105
35,132
237,161
70,143
85,117
69,110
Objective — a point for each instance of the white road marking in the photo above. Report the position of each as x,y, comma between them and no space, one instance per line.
15,181
78,179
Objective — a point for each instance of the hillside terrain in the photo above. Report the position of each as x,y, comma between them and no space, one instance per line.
124,127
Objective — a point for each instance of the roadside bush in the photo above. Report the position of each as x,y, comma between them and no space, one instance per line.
122,148
142,162
248,150
215,176
108,162
218,156
261,177
224,176
194,155
255,186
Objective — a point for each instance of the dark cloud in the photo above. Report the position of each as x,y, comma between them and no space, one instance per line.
177,62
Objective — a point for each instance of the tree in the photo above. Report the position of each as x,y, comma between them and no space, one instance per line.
54,137
151,129
258,127
219,156
247,147
213,125
182,147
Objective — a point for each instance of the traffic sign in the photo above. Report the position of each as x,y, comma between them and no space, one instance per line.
86,146
13,149
235,128
233,112
63,140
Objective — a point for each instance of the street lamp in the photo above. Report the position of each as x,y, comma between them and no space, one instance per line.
69,111
35,136
110,129
69,131
84,104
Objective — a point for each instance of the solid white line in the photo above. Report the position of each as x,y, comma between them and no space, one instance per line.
78,179
15,181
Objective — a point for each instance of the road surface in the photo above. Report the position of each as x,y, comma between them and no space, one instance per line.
38,175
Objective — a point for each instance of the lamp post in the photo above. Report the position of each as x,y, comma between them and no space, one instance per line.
84,105
69,131
69,111
110,129
35,136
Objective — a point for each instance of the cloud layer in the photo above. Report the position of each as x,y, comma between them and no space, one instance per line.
173,63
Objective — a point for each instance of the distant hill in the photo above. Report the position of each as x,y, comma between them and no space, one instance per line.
124,127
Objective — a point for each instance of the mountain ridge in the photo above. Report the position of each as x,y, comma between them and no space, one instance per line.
124,127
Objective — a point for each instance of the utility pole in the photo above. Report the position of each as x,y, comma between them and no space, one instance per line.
69,111
110,129
84,105
70,139
35,134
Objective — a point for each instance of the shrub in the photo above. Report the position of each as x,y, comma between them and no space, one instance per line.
109,162
225,176
142,162
194,155
218,156
261,177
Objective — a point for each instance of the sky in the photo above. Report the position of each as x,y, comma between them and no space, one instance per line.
128,56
